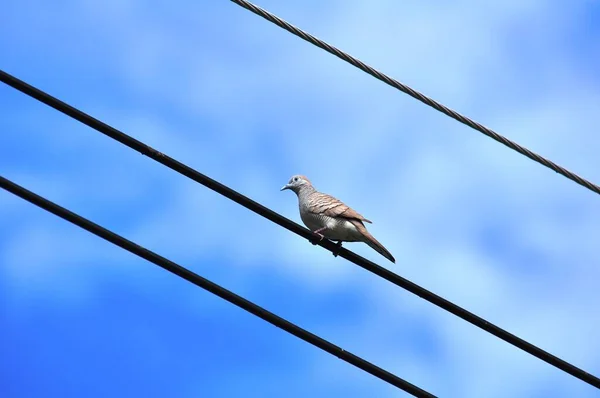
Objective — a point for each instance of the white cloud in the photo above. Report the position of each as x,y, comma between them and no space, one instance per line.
432,186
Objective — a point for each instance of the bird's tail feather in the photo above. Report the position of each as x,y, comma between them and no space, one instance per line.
371,241
378,247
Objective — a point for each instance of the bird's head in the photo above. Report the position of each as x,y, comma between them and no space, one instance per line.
296,183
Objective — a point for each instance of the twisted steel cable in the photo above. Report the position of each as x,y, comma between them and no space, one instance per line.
417,95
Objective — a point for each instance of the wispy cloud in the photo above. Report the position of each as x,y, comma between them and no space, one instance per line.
250,105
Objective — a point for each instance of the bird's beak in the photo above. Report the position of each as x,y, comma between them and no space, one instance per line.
286,186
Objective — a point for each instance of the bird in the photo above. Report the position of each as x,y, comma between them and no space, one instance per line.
328,217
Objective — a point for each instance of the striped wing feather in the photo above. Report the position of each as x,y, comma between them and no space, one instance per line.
321,203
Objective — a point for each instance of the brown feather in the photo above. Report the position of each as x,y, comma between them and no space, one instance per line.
371,241
322,203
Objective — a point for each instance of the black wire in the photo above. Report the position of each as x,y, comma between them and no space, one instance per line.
213,288
417,95
297,229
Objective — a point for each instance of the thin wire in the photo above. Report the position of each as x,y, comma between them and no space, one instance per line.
213,288
296,228
417,95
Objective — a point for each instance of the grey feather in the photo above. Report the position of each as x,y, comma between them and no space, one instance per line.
337,221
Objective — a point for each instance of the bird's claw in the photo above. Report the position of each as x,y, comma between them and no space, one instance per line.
314,240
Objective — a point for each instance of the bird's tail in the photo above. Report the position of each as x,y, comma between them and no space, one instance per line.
378,247
374,243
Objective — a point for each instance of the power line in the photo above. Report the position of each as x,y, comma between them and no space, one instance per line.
415,94
213,288
296,228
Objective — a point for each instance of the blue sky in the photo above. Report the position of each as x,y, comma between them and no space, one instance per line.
248,104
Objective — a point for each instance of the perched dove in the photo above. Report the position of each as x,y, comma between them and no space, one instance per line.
328,217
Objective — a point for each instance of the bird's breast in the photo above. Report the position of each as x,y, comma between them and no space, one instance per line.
338,228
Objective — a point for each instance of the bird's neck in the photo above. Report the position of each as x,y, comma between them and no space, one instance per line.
305,191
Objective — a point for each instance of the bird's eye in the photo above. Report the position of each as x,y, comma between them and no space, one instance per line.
295,178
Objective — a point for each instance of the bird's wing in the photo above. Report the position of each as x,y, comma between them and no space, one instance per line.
320,203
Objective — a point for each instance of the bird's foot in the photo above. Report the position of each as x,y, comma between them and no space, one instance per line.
319,235
317,238
337,250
